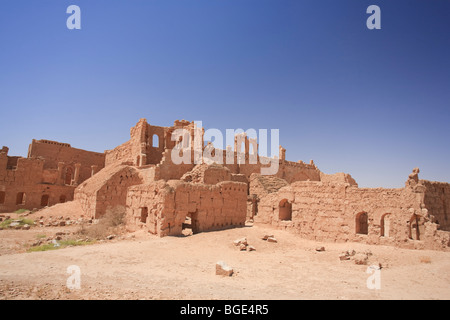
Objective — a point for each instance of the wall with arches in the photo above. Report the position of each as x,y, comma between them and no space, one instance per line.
342,212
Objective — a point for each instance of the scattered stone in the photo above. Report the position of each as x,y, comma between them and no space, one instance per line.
243,241
350,253
58,238
14,224
272,239
62,223
41,222
343,256
26,227
222,269
320,249
251,248
242,247
267,236
110,237
361,258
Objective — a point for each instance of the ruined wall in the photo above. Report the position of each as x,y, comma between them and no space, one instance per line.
107,190
336,212
166,206
437,201
26,185
54,152
119,154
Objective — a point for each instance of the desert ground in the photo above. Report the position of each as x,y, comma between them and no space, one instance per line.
142,266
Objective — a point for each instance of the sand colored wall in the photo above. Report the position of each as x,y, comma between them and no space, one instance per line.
107,190
54,152
437,201
212,207
329,212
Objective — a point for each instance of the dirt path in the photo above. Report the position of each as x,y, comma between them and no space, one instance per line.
148,267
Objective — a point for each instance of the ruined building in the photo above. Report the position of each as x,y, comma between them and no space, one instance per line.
165,197
49,175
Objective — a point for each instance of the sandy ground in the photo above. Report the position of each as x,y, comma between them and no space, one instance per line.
143,266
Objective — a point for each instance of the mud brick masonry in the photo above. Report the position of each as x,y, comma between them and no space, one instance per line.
140,179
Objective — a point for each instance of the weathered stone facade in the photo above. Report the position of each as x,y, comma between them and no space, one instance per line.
49,175
166,198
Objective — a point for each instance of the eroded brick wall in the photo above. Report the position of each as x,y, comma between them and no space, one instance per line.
333,212
211,207
437,201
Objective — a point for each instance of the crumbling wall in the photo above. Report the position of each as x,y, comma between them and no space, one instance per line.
338,178
55,152
166,206
334,212
107,189
437,201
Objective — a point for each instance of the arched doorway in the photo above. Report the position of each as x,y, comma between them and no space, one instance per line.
362,223
285,210
385,225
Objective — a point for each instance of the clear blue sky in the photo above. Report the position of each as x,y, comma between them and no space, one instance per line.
373,103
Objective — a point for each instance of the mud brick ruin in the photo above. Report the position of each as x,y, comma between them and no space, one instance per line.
140,178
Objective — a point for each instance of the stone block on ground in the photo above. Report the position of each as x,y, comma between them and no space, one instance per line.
222,269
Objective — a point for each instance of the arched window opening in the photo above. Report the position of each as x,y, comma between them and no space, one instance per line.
155,141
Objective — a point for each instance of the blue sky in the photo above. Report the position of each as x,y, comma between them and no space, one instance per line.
373,103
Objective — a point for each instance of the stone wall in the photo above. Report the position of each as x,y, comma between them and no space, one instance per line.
107,190
437,201
162,207
55,152
341,212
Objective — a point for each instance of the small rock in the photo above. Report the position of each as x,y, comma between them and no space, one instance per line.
267,236
14,224
238,242
58,238
320,249
62,223
272,239
242,247
343,256
41,222
222,269
251,248
26,227
110,237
